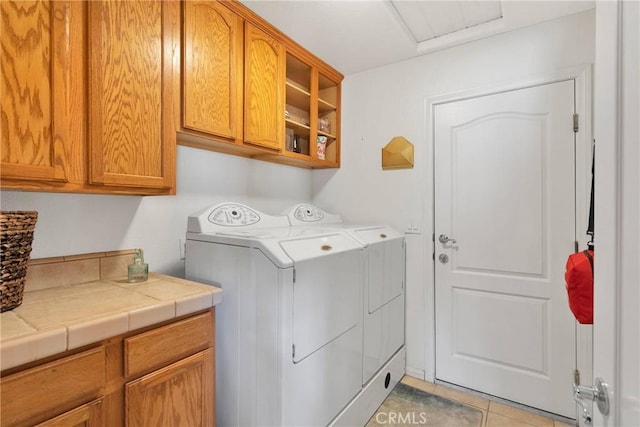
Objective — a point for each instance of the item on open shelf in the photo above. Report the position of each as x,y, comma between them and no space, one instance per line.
289,139
297,115
301,144
16,234
324,125
321,147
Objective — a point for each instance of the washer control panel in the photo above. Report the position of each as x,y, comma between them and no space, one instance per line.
227,216
233,215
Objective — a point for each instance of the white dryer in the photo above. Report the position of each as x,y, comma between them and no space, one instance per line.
289,329
384,297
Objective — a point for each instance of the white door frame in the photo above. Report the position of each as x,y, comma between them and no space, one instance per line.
583,94
617,209
607,208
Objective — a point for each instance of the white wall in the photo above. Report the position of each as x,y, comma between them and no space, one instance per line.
79,223
382,103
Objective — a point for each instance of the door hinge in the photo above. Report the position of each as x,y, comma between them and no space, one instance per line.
294,275
576,120
576,377
576,247
293,351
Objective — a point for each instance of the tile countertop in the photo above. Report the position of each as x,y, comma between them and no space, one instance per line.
57,319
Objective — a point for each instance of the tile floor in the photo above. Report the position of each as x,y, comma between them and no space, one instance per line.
494,414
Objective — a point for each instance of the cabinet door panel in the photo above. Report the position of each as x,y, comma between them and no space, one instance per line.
180,394
132,49
89,415
156,348
36,89
264,89
212,69
62,384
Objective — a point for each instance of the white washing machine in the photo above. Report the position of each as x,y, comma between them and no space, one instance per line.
384,296
289,328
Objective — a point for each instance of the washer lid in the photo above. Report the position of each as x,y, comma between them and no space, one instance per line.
284,246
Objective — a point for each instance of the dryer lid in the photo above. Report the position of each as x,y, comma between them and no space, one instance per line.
309,247
376,234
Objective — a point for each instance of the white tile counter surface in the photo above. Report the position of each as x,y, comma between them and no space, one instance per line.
56,319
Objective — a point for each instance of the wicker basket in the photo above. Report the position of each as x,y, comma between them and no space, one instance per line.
16,236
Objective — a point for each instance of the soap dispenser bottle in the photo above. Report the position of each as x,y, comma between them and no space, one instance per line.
139,270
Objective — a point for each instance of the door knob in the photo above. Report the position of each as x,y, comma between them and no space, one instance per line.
598,393
443,238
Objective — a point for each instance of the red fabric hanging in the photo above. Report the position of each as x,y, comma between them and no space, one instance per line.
579,278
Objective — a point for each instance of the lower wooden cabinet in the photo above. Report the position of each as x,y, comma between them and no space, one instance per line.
178,395
89,415
112,384
47,390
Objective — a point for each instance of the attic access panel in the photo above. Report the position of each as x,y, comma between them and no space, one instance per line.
426,20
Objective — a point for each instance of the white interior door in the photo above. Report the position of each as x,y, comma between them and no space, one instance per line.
505,192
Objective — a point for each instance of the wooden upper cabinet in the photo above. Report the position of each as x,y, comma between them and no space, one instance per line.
133,55
250,90
38,101
212,73
264,76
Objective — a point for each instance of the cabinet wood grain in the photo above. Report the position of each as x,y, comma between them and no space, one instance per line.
149,350
177,395
133,47
89,415
212,77
53,387
275,76
90,95
265,63
39,100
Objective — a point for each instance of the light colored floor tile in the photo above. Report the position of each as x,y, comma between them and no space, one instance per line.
519,414
419,384
561,424
462,397
497,420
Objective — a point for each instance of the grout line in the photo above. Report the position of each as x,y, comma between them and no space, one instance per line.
485,418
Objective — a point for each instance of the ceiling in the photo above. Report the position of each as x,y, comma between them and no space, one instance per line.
357,35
